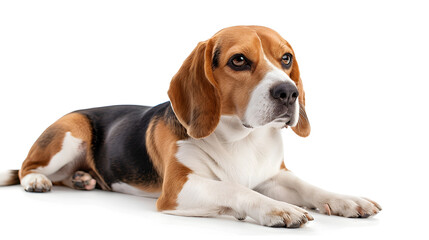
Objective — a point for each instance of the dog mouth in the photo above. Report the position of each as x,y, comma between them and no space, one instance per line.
284,118
285,115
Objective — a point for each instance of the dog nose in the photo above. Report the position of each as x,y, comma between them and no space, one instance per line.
285,92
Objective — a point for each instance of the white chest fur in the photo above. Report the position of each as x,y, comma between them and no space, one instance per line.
235,153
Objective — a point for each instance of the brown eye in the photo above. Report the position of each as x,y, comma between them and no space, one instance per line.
287,60
239,62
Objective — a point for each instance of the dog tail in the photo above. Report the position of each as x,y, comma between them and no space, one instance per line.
9,178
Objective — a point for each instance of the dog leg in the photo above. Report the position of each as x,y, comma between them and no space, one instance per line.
206,197
59,151
285,186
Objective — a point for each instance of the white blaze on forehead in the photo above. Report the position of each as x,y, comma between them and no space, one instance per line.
276,73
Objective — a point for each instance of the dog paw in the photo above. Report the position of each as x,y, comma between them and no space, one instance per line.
348,206
83,181
36,182
284,215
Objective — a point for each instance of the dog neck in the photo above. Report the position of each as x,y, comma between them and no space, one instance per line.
231,129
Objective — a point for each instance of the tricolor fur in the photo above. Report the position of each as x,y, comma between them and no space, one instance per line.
215,149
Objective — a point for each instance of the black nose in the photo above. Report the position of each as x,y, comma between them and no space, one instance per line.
285,92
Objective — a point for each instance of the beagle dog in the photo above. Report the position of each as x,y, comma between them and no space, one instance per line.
214,149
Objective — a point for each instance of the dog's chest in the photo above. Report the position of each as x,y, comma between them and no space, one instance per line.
247,159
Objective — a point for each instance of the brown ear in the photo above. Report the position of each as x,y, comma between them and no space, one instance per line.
194,94
302,128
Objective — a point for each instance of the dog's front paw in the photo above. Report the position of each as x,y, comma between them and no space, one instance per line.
348,206
283,215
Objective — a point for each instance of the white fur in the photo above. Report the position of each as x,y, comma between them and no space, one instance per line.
72,149
227,165
36,181
261,106
125,188
206,197
234,163
285,186
5,177
234,153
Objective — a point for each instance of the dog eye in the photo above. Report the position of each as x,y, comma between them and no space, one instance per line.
239,62
287,60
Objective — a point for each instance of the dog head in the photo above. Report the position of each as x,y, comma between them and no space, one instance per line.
247,71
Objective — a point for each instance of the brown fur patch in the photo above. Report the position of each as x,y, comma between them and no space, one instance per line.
45,147
176,176
50,143
236,86
162,150
48,136
302,128
194,94
283,166
152,143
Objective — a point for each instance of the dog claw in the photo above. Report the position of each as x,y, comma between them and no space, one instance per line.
327,209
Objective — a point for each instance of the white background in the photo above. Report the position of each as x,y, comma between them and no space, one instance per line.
365,72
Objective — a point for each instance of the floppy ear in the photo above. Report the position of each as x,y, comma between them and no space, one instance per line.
194,94
302,128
